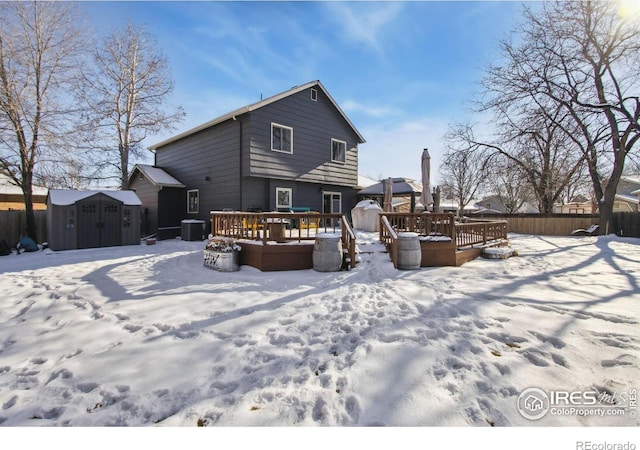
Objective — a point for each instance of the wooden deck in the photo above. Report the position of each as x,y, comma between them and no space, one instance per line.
285,241
443,241
282,241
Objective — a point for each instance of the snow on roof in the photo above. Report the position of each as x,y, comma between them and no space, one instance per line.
628,198
6,187
631,178
364,182
401,186
63,197
158,176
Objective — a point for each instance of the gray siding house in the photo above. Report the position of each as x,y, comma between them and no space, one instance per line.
296,149
163,199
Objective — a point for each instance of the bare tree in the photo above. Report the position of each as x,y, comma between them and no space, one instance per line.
532,145
508,182
39,45
126,89
464,173
579,58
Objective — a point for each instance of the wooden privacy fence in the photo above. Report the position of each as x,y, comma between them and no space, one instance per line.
627,224
555,225
14,223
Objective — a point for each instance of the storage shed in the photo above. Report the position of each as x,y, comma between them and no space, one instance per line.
87,219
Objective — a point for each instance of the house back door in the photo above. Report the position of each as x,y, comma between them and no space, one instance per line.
332,204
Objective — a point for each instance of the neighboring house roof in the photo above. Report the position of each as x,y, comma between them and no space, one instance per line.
364,182
64,197
628,198
6,187
157,176
257,105
400,186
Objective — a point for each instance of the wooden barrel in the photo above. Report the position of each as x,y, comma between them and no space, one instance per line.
327,252
409,254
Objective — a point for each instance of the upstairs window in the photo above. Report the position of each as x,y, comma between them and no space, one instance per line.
281,138
193,201
314,95
338,151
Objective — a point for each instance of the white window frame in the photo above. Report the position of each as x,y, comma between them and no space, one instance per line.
273,125
345,151
314,94
289,194
197,196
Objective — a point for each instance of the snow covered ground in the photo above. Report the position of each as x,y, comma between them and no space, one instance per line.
145,335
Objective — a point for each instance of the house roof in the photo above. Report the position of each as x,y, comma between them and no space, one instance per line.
7,187
257,105
157,176
400,186
64,197
628,198
364,182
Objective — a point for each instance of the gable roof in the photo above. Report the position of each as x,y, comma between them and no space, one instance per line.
257,105
400,186
64,197
157,176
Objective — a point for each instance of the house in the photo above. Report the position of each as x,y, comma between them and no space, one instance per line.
12,198
155,187
627,194
494,204
577,205
296,149
88,219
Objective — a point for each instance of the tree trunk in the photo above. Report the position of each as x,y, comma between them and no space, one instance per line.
30,230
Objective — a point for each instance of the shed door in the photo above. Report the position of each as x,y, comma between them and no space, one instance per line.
99,224
88,219
110,224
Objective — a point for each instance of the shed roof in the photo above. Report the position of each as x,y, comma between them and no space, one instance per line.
157,176
257,105
64,197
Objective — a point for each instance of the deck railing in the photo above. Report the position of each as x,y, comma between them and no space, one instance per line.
463,234
480,233
423,224
284,227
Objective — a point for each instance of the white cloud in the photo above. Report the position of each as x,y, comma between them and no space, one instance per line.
365,22
372,111
396,150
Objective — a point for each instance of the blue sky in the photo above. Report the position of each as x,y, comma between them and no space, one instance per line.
402,71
